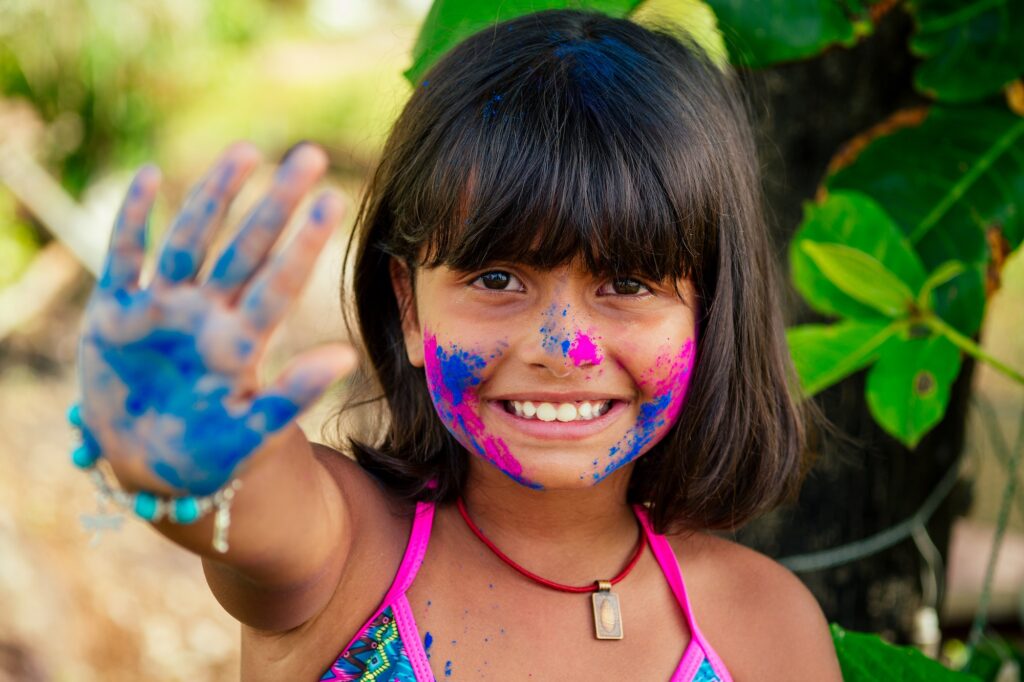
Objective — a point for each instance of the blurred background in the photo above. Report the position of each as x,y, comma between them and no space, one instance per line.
89,90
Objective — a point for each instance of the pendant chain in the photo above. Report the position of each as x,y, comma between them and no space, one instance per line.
637,553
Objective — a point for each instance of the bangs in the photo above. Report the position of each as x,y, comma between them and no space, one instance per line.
599,166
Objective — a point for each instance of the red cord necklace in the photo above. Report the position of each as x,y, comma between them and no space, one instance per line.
607,614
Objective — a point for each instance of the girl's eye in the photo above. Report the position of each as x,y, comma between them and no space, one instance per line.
499,280
623,286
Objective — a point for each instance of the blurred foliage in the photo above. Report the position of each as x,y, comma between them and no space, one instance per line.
18,241
116,84
867,658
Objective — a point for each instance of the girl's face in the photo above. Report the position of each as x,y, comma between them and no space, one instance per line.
557,377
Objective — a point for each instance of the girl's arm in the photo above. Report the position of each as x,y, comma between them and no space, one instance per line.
170,390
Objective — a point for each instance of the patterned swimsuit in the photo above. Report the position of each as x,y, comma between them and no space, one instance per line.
388,647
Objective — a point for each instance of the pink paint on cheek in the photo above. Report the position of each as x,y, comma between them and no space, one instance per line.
584,351
452,375
658,414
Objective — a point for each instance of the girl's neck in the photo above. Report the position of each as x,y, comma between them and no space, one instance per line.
557,533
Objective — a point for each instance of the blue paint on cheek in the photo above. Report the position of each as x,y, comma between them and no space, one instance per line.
650,419
447,668
459,372
428,642
162,371
565,346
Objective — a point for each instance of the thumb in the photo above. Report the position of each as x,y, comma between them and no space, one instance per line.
298,386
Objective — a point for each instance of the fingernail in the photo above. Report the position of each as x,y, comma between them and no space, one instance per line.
291,150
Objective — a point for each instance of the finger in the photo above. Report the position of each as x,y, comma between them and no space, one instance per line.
270,293
188,238
127,250
261,229
299,385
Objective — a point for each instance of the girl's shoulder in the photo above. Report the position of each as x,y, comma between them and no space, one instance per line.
759,617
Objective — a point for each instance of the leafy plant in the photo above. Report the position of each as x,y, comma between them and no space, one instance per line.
868,658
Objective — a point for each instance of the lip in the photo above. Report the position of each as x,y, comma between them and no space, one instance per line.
558,397
557,430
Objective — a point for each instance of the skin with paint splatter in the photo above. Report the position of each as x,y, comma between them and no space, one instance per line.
168,369
515,334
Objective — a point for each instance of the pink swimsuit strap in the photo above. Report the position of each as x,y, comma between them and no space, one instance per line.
666,557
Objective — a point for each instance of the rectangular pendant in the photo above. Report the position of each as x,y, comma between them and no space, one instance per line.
607,615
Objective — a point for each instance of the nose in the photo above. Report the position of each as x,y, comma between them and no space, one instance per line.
560,344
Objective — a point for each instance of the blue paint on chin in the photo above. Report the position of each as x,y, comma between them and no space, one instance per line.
162,372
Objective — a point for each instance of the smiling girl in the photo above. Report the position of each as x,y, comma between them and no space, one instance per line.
563,285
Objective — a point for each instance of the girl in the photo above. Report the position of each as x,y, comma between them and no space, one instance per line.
564,289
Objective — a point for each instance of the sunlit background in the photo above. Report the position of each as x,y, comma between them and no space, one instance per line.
93,89
89,90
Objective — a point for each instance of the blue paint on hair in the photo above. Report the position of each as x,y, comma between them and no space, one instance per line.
491,107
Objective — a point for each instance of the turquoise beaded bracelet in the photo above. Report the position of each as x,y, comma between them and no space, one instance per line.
147,506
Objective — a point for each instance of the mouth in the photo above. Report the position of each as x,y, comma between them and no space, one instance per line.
565,412
561,420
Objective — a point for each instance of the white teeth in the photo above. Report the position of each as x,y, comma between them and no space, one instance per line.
546,412
566,412
563,412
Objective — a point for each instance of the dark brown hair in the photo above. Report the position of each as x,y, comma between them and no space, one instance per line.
569,135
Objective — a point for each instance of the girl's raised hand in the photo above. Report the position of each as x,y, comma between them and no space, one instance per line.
169,378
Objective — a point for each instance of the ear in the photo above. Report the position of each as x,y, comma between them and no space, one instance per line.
402,283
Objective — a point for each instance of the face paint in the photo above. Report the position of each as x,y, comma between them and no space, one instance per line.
559,336
452,373
657,414
584,351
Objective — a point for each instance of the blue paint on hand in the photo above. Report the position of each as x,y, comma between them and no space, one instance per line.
167,379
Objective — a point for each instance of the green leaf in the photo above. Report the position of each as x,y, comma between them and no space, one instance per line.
826,353
939,276
854,220
866,658
449,22
762,33
862,277
908,388
970,48
694,17
973,181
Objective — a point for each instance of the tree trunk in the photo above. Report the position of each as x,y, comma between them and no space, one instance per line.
804,112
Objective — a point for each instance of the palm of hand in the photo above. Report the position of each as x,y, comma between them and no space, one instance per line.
168,372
